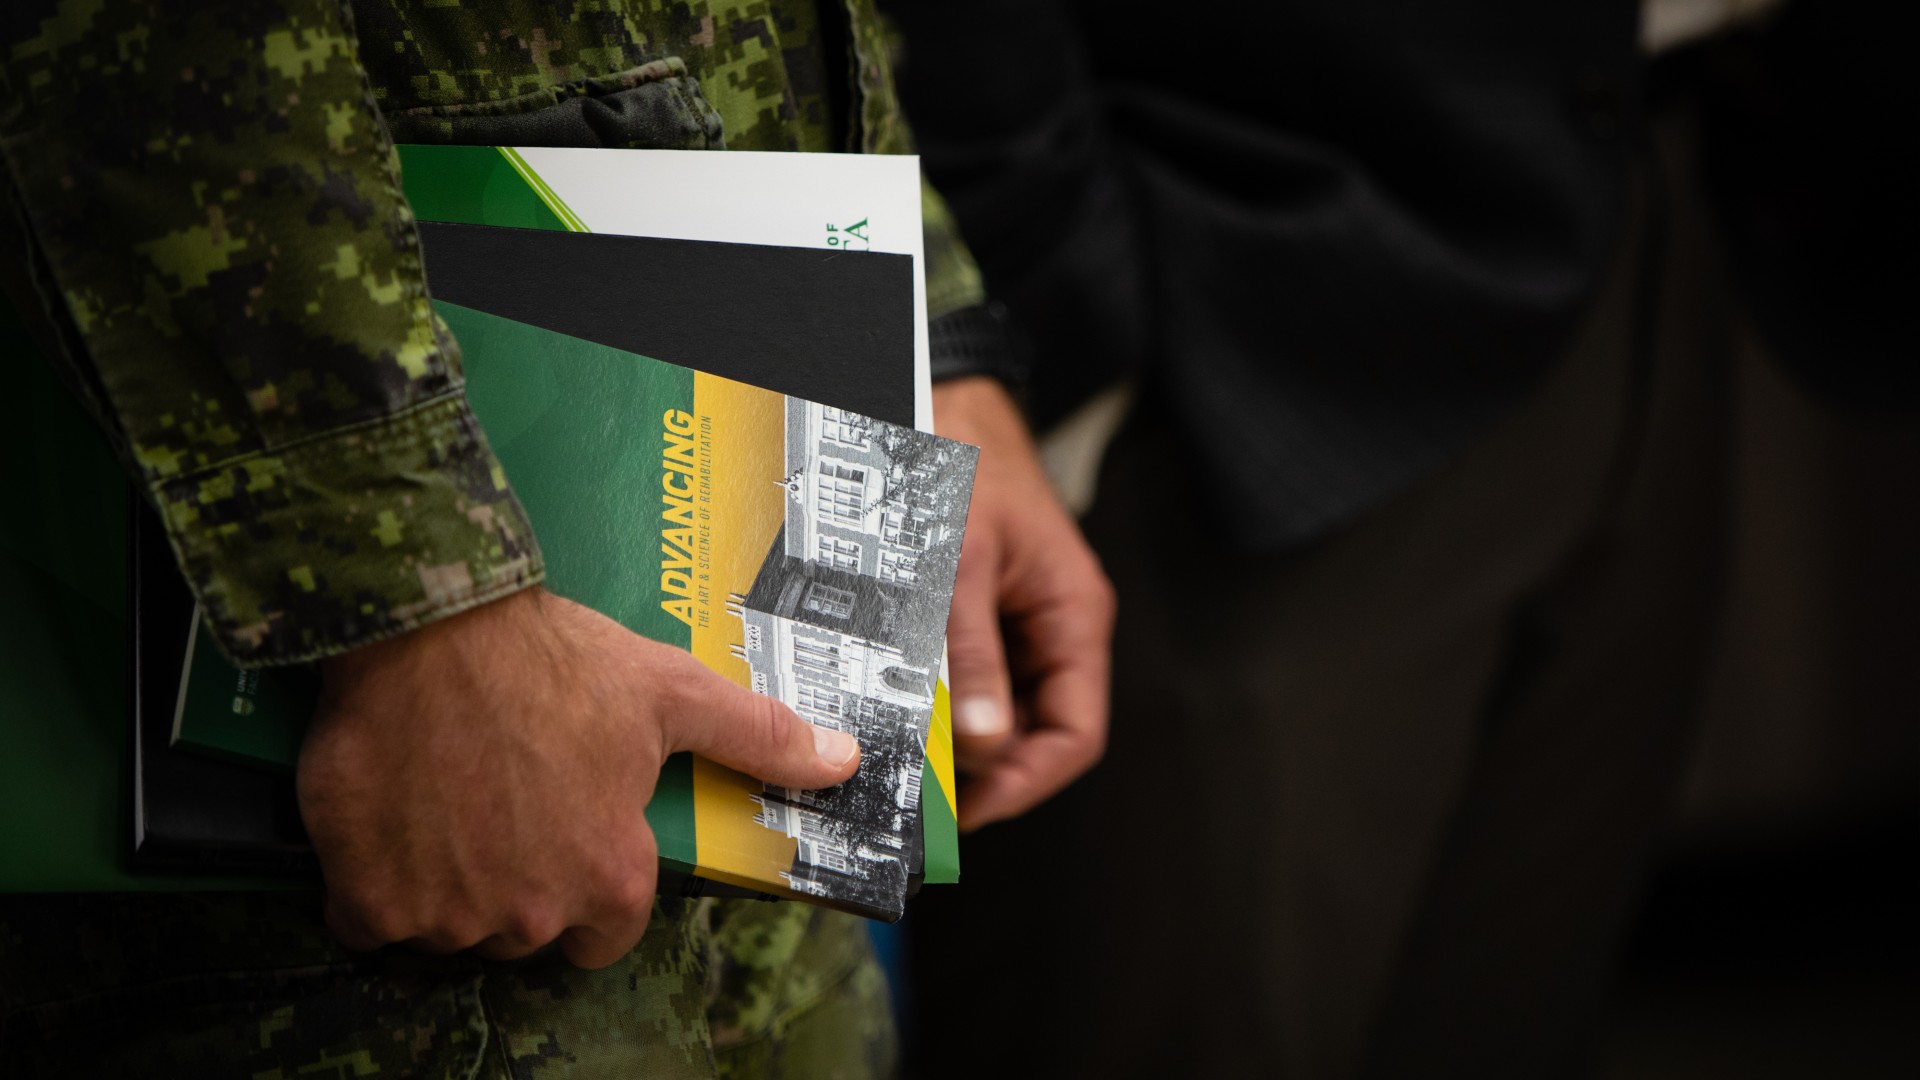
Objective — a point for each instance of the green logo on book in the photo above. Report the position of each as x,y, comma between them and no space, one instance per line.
851,238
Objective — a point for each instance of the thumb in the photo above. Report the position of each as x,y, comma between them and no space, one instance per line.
977,658
757,735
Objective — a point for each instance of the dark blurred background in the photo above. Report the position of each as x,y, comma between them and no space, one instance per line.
1781,936
1780,933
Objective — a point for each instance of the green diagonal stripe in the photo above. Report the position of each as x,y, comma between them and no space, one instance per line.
472,185
941,836
554,202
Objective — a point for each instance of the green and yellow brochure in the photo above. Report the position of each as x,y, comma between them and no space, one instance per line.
803,551
818,206
842,209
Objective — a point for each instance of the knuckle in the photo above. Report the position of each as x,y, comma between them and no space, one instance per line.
974,653
342,924
385,928
1094,749
1102,597
973,597
675,675
629,896
458,931
361,914
1087,741
769,723
595,952
533,925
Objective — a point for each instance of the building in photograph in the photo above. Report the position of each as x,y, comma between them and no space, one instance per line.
845,623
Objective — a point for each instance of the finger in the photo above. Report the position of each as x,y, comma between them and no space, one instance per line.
611,935
1068,651
620,892
529,931
592,948
754,733
450,934
1040,763
439,945
977,657
350,930
503,947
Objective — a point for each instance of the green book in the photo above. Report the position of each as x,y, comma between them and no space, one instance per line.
803,551
62,776
67,687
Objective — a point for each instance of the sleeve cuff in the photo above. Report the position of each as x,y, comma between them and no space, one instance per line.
975,341
300,552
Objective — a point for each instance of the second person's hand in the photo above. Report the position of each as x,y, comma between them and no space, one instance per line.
1029,640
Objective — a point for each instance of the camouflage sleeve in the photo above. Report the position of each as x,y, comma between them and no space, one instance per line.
953,279
214,221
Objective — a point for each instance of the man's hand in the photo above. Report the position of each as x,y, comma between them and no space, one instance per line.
1029,712
480,782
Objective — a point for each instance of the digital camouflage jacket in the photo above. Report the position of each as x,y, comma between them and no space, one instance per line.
205,213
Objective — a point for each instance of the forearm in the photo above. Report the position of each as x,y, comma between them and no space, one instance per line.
214,222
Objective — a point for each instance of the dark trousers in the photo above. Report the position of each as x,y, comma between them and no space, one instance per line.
1381,807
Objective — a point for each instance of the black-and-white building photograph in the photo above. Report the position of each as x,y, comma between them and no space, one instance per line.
845,623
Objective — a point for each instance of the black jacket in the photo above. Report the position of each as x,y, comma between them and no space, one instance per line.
1335,238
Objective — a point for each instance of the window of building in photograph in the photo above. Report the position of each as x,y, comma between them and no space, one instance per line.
827,856
897,566
820,663
827,600
839,554
814,827
906,530
842,492
772,814
818,704
907,681
845,428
